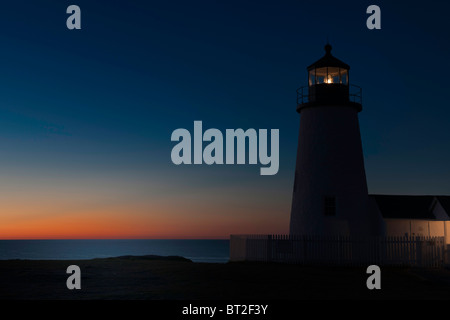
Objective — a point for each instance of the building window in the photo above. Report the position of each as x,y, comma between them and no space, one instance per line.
330,206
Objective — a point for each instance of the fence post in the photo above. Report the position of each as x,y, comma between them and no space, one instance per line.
419,251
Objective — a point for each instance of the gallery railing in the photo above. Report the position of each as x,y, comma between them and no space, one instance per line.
306,95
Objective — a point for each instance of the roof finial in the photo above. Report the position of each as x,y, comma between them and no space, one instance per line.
328,48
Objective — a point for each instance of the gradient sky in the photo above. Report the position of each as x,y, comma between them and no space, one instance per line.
86,115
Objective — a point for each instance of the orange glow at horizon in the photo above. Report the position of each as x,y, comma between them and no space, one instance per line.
139,222
103,206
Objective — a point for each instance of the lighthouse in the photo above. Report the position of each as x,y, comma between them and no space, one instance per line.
330,195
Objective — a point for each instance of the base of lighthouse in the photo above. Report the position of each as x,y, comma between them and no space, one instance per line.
330,194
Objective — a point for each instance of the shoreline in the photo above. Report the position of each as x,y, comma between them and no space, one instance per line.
153,277
210,250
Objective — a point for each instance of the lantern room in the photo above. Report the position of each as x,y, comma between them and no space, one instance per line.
328,70
328,83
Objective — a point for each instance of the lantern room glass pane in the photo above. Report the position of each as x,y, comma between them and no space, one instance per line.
328,75
333,75
344,76
312,77
321,75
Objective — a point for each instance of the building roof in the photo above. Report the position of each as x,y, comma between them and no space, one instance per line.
445,203
328,60
406,207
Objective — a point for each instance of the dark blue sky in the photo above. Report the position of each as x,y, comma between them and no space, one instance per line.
100,104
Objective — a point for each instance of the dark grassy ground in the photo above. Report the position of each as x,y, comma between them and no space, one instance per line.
155,279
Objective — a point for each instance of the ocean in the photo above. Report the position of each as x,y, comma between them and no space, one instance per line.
213,251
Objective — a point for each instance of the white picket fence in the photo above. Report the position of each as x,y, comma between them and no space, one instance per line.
339,250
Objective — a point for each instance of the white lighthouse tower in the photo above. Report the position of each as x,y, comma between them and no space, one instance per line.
330,194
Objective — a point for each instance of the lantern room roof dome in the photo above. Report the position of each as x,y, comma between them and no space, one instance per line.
328,60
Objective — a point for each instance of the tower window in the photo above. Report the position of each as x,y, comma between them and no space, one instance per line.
330,206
